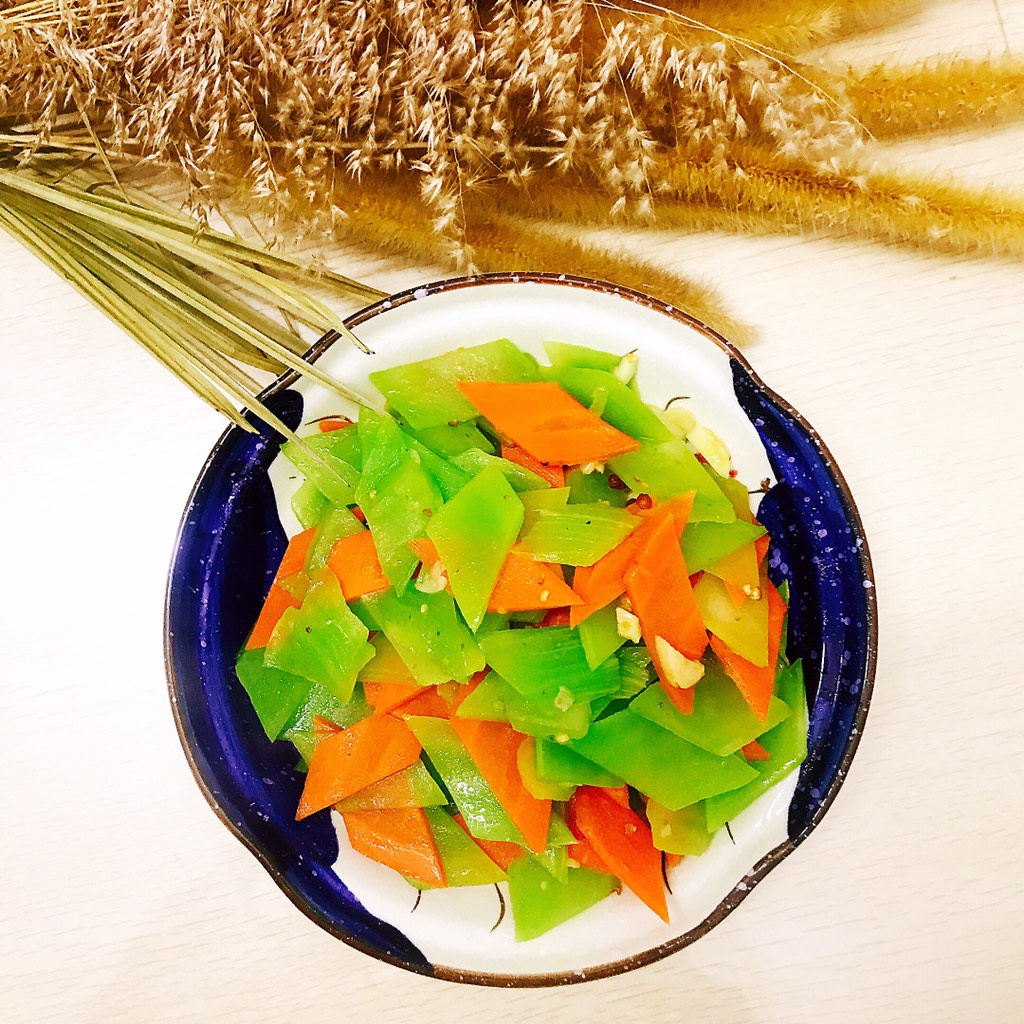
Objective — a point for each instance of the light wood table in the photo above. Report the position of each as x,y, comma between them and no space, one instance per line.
123,897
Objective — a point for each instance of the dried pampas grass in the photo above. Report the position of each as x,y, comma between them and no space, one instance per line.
459,131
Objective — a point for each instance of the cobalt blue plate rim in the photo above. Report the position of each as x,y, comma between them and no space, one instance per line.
249,787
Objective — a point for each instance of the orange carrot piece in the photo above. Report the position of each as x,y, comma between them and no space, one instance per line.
545,420
682,698
278,599
761,545
329,423
753,751
353,559
582,851
555,617
399,838
428,703
324,727
354,758
423,548
601,583
525,585
294,558
502,853
659,589
757,682
672,859
385,697
494,747
622,839
736,594
552,472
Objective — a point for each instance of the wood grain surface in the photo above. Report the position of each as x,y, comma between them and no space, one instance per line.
124,898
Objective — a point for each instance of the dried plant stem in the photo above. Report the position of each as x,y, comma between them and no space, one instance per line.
936,96
884,207
141,267
382,216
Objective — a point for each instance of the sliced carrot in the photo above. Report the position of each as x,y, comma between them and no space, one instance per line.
385,697
659,589
682,697
525,585
278,599
545,420
329,423
622,839
353,559
678,507
423,548
428,703
736,594
601,583
494,747
757,682
761,545
582,851
555,617
354,758
324,727
672,859
399,838
753,751
294,558
553,473
500,852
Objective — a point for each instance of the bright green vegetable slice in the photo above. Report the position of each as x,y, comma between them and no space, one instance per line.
310,504
321,640
553,497
484,816
705,543
576,534
299,729
336,523
623,408
635,670
744,629
464,862
549,663
684,831
669,469
599,634
415,783
587,488
335,479
556,762
495,700
721,721
787,744
540,902
454,438
424,392
274,694
473,533
561,354
655,761
521,479
396,494
427,633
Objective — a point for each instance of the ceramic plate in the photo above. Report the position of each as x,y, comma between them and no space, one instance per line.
233,534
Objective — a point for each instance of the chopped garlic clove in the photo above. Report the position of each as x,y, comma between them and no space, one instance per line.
627,625
679,670
626,369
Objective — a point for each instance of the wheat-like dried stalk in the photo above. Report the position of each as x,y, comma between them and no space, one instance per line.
464,132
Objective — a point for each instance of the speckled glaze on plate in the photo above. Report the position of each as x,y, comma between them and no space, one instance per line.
232,537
